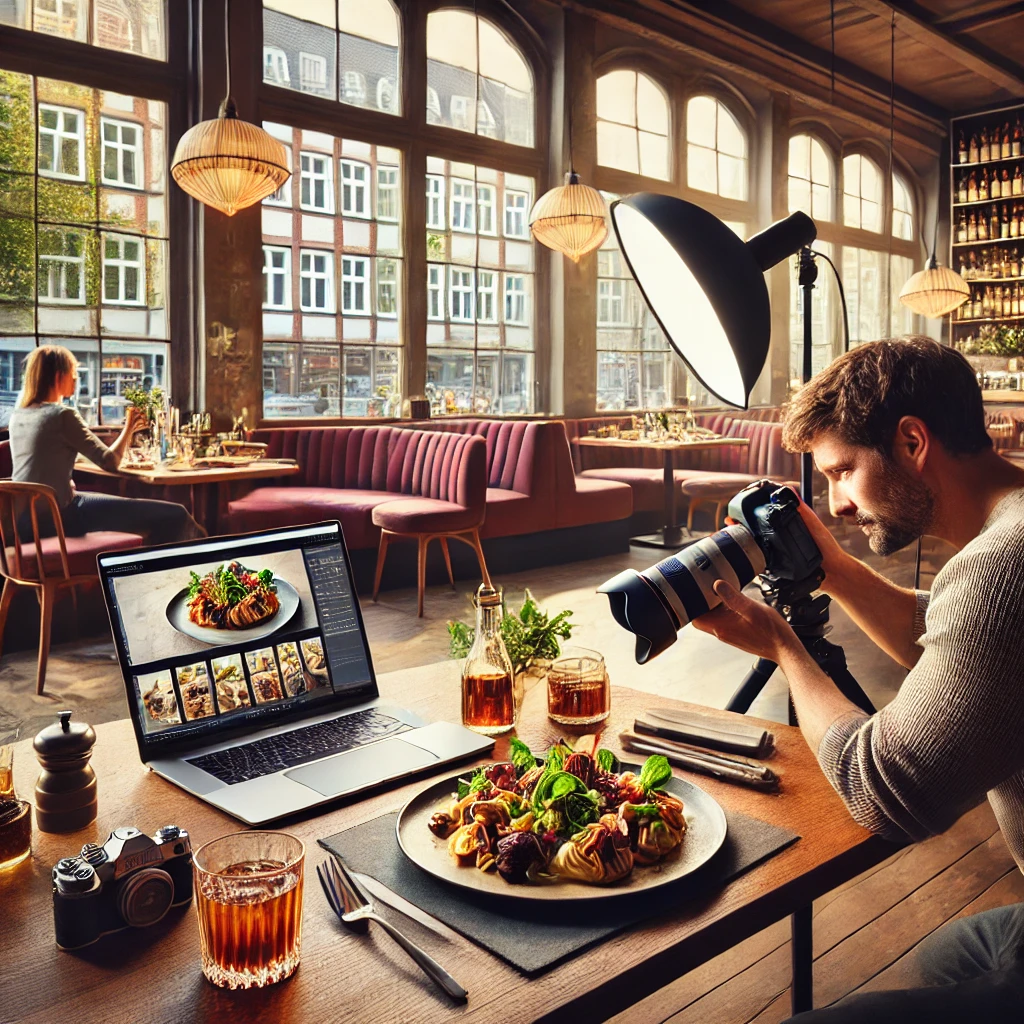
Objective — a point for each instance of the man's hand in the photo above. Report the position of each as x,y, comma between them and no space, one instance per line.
749,625
834,560
135,420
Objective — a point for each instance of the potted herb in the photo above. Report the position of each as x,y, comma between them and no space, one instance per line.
148,401
531,636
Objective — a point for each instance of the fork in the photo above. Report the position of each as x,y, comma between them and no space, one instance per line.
354,909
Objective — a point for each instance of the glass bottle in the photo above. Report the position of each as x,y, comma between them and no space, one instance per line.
491,695
972,227
1015,301
1004,223
972,187
1018,182
1014,263
972,152
995,189
962,149
1014,221
983,192
1006,185
984,151
15,814
1015,142
1007,301
1004,148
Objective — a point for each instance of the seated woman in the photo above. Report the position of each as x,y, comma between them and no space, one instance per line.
46,435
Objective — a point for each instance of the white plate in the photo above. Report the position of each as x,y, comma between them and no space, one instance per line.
177,615
705,833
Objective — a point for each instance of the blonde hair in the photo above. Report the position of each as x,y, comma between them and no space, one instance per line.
42,368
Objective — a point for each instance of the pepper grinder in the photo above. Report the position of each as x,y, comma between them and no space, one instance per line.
66,787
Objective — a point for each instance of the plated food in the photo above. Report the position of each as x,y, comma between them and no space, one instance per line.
263,674
572,817
229,682
194,686
158,699
232,597
291,669
316,663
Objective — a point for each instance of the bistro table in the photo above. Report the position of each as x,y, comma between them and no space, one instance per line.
154,975
671,535
207,497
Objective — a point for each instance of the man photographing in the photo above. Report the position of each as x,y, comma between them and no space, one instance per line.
897,428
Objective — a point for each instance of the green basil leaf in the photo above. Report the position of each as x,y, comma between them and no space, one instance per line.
479,782
520,756
463,790
607,761
655,773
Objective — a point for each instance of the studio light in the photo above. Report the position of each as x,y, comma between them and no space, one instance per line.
705,285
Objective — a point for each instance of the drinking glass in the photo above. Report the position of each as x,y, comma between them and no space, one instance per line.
15,814
248,889
578,688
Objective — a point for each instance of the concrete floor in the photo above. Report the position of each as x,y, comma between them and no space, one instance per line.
85,677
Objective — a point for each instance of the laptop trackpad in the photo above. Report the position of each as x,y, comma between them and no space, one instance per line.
365,766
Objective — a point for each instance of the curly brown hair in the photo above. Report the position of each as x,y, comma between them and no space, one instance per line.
862,396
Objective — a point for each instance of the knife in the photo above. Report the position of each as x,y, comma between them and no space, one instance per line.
380,891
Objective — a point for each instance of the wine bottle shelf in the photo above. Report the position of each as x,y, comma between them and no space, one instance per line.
993,280
1016,197
989,319
991,241
988,163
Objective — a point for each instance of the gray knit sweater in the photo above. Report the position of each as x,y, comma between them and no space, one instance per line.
955,730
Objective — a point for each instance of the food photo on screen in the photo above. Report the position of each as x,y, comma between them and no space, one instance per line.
264,675
229,683
291,669
194,686
155,693
194,609
316,664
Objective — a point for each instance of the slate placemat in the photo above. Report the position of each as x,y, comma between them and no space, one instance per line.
534,936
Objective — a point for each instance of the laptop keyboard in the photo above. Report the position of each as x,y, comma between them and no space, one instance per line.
286,750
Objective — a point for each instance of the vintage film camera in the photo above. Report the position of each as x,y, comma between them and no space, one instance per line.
131,881
769,540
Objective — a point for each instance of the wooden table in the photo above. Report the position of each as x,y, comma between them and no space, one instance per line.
671,535
207,498
154,975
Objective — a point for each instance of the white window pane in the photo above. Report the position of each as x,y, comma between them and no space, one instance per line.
732,177
851,211
800,158
821,199
871,216
800,196
731,139
651,107
701,168
654,155
617,146
700,121
821,166
870,181
616,97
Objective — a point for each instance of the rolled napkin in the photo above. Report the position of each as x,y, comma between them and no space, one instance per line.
703,730
728,769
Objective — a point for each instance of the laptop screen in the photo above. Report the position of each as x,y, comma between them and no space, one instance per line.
234,634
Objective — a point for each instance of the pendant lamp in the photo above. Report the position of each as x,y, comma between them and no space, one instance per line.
936,291
571,219
227,163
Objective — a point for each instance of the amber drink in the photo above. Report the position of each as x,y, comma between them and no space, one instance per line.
491,697
15,814
578,688
248,890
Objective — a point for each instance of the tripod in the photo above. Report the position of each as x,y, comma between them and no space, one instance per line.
807,615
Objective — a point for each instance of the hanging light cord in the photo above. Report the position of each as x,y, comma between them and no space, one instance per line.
832,69
892,183
227,106
842,298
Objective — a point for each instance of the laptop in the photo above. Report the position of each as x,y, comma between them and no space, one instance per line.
249,678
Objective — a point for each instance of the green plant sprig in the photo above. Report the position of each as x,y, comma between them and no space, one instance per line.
530,635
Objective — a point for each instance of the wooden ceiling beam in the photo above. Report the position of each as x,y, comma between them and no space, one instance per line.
957,25
917,22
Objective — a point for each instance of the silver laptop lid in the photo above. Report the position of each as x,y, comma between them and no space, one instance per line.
224,636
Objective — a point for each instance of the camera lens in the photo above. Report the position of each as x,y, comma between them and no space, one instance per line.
145,897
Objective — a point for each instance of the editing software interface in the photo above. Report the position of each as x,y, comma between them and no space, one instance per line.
248,630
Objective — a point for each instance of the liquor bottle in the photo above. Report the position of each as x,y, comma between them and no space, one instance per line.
1004,148
972,187
962,148
983,192
1007,301
1004,264
1004,223
961,189
986,263
1015,142
972,227
984,150
995,189
1015,301
987,302
491,697
994,227
1015,221
1005,185
977,307
972,151
1014,263
1018,181
972,266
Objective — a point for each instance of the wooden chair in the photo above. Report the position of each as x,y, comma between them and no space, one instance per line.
44,564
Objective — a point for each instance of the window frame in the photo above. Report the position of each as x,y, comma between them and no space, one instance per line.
465,203
270,272
363,281
364,187
57,265
465,288
317,60
276,55
313,275
312,176
138,149
57,133
123,264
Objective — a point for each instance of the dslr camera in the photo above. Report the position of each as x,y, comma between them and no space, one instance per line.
131,881
769,540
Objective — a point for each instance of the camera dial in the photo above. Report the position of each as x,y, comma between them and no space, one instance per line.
93,854
168,833
145,897
72,875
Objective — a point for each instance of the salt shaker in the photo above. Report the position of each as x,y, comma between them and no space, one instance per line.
66,787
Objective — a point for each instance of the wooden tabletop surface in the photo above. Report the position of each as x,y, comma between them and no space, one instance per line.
671,445
262,469
154,975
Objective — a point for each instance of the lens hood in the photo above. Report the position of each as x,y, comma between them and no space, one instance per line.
637,606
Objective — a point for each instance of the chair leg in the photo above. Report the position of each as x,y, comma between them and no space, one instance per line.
718,514
48,594
5,606
421,573
74,611
474,542
689,515
382,553
447,560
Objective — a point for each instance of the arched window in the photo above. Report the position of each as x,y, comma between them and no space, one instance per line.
632,124
716,149
810,178
862,193
479,80
902,210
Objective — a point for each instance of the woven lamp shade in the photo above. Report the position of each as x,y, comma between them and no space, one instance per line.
229,164
571,219
935,292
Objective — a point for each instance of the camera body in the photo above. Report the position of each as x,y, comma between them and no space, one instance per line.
131,881
768,540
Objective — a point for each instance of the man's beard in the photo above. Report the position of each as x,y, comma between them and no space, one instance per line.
901,515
